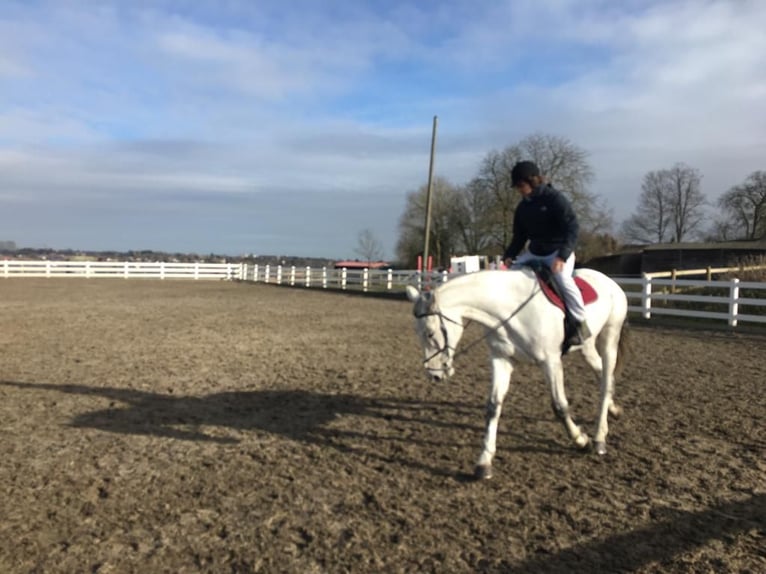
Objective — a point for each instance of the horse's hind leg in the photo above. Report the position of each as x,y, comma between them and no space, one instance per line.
554,374
501,378
595,362
607,353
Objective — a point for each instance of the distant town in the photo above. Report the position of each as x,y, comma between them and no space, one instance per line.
8,250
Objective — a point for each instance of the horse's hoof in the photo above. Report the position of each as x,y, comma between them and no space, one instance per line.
600,448
615,410
482,472
583,441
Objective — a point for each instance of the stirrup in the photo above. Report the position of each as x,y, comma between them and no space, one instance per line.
576,335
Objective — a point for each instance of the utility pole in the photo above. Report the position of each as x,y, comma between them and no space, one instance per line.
428,196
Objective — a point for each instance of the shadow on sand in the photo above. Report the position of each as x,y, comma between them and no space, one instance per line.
656,547
306,416
299,415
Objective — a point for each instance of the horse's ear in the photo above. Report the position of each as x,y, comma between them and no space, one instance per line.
412,293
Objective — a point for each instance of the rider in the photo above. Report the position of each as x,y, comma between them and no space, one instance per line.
546,219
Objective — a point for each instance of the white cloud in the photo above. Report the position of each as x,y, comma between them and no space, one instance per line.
265,98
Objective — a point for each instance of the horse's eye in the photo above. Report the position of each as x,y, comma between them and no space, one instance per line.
430,334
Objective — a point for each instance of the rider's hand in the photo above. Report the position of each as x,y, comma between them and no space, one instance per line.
558,265
508,262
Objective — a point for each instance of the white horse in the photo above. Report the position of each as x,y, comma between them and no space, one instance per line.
521,324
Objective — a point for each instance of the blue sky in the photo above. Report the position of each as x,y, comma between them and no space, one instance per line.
287,127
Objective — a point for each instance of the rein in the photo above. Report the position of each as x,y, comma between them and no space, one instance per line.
443,317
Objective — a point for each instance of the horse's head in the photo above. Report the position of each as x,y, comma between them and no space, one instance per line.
438,333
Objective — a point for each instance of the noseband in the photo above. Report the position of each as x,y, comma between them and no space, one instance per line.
443,329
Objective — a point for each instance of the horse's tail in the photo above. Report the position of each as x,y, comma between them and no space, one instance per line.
622,348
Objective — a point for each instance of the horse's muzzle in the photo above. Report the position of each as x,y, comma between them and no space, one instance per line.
439,375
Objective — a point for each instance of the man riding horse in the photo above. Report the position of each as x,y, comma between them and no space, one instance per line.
545,218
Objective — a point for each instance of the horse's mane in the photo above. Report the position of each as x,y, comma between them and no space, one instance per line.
485,277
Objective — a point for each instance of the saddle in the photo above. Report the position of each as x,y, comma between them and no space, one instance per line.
545,278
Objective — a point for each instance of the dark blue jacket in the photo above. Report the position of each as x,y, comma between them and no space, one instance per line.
547,220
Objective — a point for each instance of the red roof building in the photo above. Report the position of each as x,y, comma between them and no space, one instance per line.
362,264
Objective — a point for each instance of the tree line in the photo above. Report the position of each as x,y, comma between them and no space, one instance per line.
477,217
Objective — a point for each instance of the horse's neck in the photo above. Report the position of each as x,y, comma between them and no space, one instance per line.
486,296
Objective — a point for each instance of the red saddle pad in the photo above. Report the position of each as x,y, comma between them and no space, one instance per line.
589,294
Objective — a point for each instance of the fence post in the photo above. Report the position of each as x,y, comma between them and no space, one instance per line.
390,280
308,276
365,279
445,276
343,277
255,273
646,297
266,273
279,274
292,275
48,269
324,277
733,302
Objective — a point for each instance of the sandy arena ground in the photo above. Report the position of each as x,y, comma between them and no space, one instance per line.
183,427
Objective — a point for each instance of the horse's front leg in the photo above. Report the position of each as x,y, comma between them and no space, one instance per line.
501,378
554,373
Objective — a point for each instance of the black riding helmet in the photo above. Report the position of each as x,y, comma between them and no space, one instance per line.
523,171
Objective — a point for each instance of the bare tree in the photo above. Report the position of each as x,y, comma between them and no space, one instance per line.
687,201
368,246
651,221
493,182
444,240
478,217
474,217
563,163
744,209
670,208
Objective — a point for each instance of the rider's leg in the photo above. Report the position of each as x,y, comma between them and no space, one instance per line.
572,297
523,259
569,290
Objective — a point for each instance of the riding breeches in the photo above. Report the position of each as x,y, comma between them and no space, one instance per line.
564,281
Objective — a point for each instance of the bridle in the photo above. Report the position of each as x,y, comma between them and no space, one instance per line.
443,329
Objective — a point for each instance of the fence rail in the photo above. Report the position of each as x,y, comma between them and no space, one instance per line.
733,301
367,280
647,295
723,300
120,269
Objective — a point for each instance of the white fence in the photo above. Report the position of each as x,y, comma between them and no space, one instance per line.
120,269
714,299
326,278
733,301
648,295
